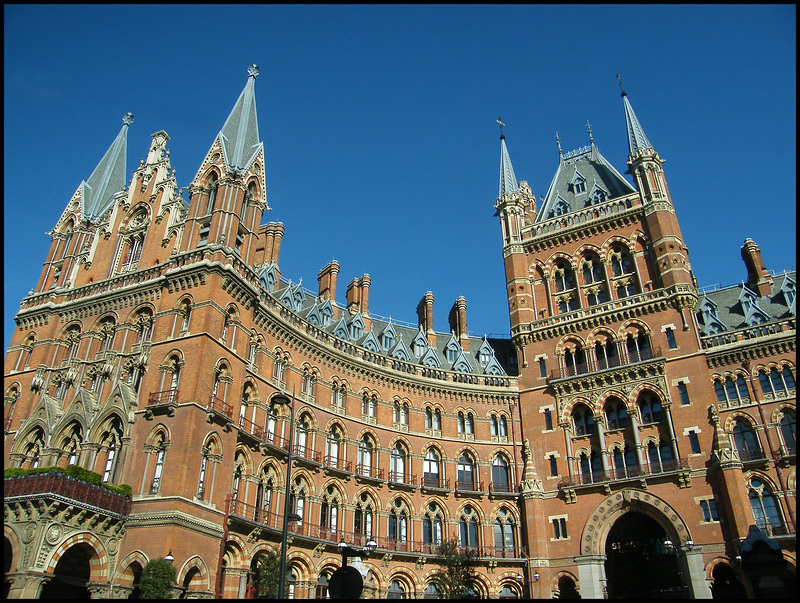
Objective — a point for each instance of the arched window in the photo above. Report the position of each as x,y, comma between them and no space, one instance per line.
606,354
466,473
621,261
110,443
396,590
746,441
504,534
765,508
625,462
329,513
501,475
397,462
321,590
363,516
67,235
365,449
431,592
659,456
776,383
264,491
33,449
583,420
468,528
186,311
332,447
430,469
650,408
160,451
212,193
788,425
616,414
575,361
639,347
398,522
432,530
591,467
301,435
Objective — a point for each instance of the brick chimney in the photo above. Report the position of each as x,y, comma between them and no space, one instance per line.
273,232
353,296
758,279
358,298
458,322
425,317
327,281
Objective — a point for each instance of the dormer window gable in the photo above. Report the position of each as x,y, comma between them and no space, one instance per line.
597,196
431,359
712,324
341,331
314,316
298,298
326,312
371,343
485,353
753,315
420,344
789,292
388,337
357,327
494,368
452,349
268,278
400,352
560,207
578,184
462,364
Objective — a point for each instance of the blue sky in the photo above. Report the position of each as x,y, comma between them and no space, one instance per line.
379,130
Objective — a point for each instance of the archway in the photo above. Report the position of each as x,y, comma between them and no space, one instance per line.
641,560
71,574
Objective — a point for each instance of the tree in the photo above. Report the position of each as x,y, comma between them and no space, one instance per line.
455,578
268,572
158,579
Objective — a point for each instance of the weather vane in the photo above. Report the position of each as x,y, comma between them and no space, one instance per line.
500,121
589,127
252,70
558,140
619,80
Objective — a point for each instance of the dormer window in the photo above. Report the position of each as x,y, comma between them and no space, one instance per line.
561,207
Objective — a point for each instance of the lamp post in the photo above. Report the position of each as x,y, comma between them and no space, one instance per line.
346,582
282,399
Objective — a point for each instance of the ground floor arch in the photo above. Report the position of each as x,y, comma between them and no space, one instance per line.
635,522
71,575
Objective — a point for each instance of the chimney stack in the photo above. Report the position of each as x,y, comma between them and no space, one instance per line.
358,297
327,281
273,232
758,279
425,316
458,322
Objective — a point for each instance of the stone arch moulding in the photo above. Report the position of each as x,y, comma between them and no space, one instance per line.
595,532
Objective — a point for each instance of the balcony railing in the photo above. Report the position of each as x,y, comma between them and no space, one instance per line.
273,439
248,426
304,452
68,487
401,477
751,455
168,396
584,479
775,528
369,471
216,404
334,462
614,362
501,488
435,481
467,485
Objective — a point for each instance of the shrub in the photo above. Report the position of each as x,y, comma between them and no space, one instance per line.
157,580
73,471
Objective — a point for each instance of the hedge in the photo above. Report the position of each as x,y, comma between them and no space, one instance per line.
73,471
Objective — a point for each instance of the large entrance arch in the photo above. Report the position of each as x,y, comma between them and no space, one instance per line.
660,520
641,561
71,575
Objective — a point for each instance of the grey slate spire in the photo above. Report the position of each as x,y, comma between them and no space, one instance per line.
239,135
108,178
636,138
508,181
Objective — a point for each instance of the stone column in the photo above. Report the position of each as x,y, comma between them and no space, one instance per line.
601,434
691,558
27,585
592,576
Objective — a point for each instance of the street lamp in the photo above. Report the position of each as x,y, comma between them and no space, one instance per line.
282,400
169,558
347,551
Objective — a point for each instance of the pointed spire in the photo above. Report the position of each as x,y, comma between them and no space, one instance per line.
558,142
239,135
636,137
508,181
589,128
108,178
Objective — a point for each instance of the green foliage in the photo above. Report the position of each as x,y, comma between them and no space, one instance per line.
455,577
73,471
157,580
268,571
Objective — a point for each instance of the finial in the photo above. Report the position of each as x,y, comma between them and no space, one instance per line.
499,120
252,70
558,140
589,127
619,80
127,119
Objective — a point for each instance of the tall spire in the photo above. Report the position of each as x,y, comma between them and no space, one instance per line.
108,178
636,137
508,181
239,135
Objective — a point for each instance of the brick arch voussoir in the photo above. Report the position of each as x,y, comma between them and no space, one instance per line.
98,564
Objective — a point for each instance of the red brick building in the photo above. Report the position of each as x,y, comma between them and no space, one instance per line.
629,416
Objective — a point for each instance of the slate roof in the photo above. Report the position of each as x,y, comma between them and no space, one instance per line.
108,178
303,303
732,314
598,176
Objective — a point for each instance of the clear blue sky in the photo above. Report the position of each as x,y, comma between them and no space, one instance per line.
379,130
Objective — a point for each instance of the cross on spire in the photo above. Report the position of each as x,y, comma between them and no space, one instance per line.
589,128
619,81
252,70
558,141
500,121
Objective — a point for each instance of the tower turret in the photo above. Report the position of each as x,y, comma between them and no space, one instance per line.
228,194
670,254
